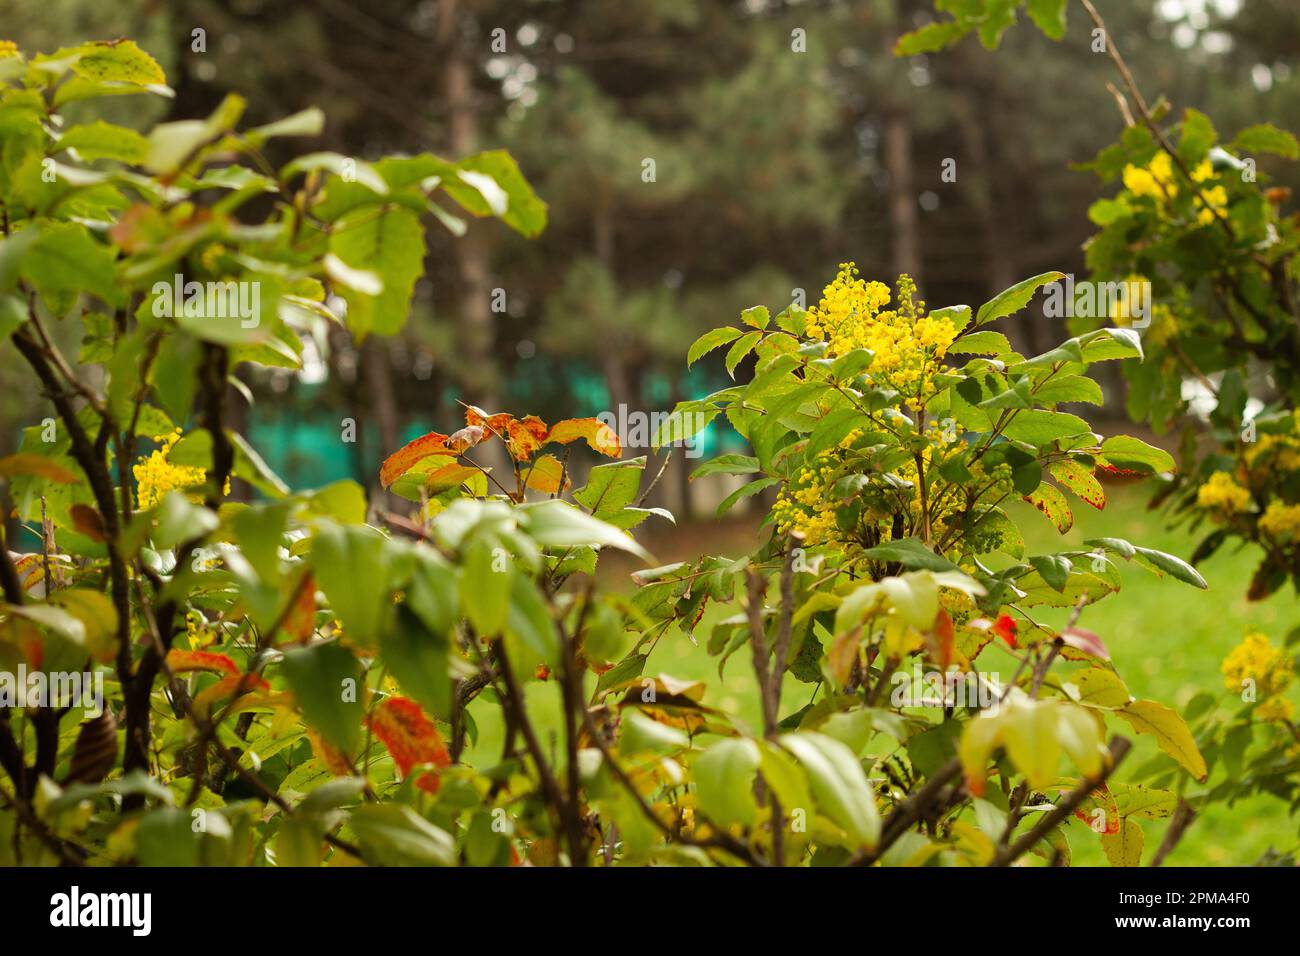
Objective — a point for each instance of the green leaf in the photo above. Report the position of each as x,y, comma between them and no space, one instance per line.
100,140
1132,454
756,316
389,243
1267,138
557,524
523,211
910,553
987,342
390,834
709,341
931,38
327,682
177,519
1197,137
744,491
418,658
1069,388
724,781
744,345
1170,564
64,261
1125,847
1048,16
485,582
839,784
352,566
1170,731
1054,569
1039,427
611,487
1012,300
727,465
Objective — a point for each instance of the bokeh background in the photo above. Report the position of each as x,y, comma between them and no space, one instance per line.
776,155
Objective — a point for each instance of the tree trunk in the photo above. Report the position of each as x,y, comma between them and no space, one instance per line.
475,364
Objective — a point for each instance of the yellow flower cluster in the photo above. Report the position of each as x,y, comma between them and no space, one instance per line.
903,339
1222,494
1255,661
155,475
1275,453
1157,181
803,507
1281,521
8,49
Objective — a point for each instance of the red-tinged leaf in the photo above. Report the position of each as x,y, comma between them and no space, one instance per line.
405,458
1049,500
525,436
86,520
335,761
1005,628
27,463
411,738
300,619
1086,641
1102,799
495,424
179,661
543,672
545,474
232,685
940,640
1080,480
597,434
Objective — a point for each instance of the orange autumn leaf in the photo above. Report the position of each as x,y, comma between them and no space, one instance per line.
495,424
597,434
545,474
28,463
943,635
405,458
179,661
335,761
300,620
411,738
232,685
524,436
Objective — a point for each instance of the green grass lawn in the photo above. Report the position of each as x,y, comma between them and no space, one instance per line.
1166,638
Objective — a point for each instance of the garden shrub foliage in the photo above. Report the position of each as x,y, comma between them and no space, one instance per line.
288,684
1194,215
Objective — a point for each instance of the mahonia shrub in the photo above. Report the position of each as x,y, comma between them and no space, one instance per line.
1193,220
287,684
893,436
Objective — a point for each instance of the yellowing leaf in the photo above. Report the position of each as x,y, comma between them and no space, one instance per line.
1170,731
405,458
1051,502
546,475
597,434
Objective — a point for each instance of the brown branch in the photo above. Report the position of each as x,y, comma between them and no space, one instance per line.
1184,816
